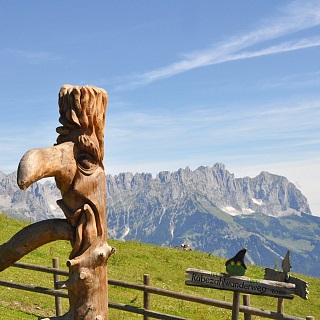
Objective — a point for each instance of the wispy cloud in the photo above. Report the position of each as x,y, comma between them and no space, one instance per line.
34,57
300,80
281,125
298,16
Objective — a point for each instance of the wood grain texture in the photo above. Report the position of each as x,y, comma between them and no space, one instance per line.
76,163
204,278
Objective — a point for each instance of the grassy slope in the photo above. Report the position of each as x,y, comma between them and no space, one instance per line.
166,267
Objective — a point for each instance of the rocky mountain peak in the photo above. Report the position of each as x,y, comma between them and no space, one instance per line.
207,208
267,193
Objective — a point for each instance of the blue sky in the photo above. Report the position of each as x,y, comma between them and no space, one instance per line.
190,83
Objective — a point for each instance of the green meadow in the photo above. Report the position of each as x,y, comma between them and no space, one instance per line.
166,267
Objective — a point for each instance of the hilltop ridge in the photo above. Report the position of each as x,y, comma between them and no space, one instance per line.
207,208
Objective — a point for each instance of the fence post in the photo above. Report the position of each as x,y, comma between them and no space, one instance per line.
56,278
235,305
280,308
246,302
146,295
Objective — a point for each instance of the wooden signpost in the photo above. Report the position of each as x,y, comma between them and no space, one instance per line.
204,278
284,276
277,284
300,285
237,284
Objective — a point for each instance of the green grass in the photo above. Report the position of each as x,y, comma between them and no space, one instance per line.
166,267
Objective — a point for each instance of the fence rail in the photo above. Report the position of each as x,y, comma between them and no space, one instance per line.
147,290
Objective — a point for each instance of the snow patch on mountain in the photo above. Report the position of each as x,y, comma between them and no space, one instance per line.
259,202
230,210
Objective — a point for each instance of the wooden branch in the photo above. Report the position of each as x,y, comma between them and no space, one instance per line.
32,237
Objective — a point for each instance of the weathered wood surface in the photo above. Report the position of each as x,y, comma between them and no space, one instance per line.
76,163
245,308
205,278
301,286
33,237
235,305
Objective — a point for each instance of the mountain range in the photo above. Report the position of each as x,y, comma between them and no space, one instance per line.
207,208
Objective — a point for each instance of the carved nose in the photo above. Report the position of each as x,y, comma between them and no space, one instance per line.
57,161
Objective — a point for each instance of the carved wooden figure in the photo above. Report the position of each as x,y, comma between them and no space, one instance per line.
236,266
76,163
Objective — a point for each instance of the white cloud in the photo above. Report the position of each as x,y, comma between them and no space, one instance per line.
294,81
34,57
287,122
281,48
298,16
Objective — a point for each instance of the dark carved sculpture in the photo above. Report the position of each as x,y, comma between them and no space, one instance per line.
76,163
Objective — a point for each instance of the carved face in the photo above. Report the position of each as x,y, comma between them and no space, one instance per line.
82,115
77,173
76,161
85,183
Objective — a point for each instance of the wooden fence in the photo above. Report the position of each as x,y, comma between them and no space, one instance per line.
147,290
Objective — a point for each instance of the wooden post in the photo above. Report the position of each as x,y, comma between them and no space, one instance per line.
56,279
246,302
235,305
309,318
280,308
76,163
146,295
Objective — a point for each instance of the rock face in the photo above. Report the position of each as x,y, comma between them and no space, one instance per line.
267,193
207,208
38,202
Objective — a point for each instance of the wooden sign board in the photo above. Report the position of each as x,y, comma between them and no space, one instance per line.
300,285
204,278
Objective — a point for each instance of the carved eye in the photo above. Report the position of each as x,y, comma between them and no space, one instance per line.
86,163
